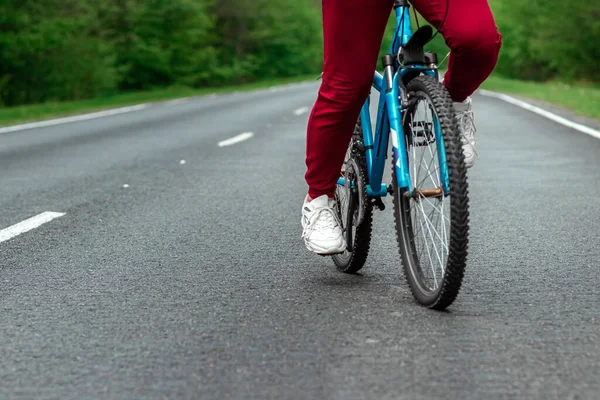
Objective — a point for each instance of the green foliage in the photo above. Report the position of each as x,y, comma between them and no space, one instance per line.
46,54
57,50
542,39
267,38
546,39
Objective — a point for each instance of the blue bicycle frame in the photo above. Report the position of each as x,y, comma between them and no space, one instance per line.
389,110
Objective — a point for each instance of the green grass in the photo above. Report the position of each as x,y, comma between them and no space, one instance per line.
582,99
32,113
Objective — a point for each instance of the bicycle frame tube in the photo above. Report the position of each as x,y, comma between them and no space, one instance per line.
402,30
388,119
397,132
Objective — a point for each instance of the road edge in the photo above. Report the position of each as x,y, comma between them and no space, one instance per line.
85,116
540,111
127,109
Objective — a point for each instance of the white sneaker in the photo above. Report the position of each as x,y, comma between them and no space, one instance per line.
321,228
466,125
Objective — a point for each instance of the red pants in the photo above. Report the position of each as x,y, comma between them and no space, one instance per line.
353,31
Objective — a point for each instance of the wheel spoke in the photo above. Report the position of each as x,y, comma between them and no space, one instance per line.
433,227
428,255
429,175
440,209
435,248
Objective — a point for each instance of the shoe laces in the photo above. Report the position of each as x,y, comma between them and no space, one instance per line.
321,218
466,122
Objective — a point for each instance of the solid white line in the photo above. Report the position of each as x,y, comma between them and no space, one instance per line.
544,113
76,118
301,110
236,139
27,225
116,111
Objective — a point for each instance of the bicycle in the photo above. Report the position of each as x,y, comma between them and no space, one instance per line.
415,109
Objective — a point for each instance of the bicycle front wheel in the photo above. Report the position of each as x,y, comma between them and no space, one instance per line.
432,223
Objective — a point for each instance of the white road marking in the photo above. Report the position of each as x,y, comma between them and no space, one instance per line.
544,113
28,224
120,110
126,186
236,139
182,162
301,110
76,118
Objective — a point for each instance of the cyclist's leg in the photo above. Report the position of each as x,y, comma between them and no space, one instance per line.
473,38
352,32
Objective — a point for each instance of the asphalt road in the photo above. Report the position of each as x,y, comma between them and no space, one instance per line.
171,280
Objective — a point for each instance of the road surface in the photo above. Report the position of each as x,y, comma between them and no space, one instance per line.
178,272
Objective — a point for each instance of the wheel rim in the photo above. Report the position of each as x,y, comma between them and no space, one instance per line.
428,207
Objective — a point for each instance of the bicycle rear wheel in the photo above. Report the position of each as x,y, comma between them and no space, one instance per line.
355,213
432,224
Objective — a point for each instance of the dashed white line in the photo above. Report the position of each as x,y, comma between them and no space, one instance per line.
544,113
76,118
301,110
28,224
236,139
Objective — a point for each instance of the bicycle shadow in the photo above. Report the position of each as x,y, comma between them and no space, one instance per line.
369,285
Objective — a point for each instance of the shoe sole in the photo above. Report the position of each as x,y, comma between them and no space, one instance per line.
325,252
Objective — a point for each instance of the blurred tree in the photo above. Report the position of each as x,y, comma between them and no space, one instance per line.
549,39
46,52
75,49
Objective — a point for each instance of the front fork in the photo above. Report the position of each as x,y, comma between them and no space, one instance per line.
394,103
